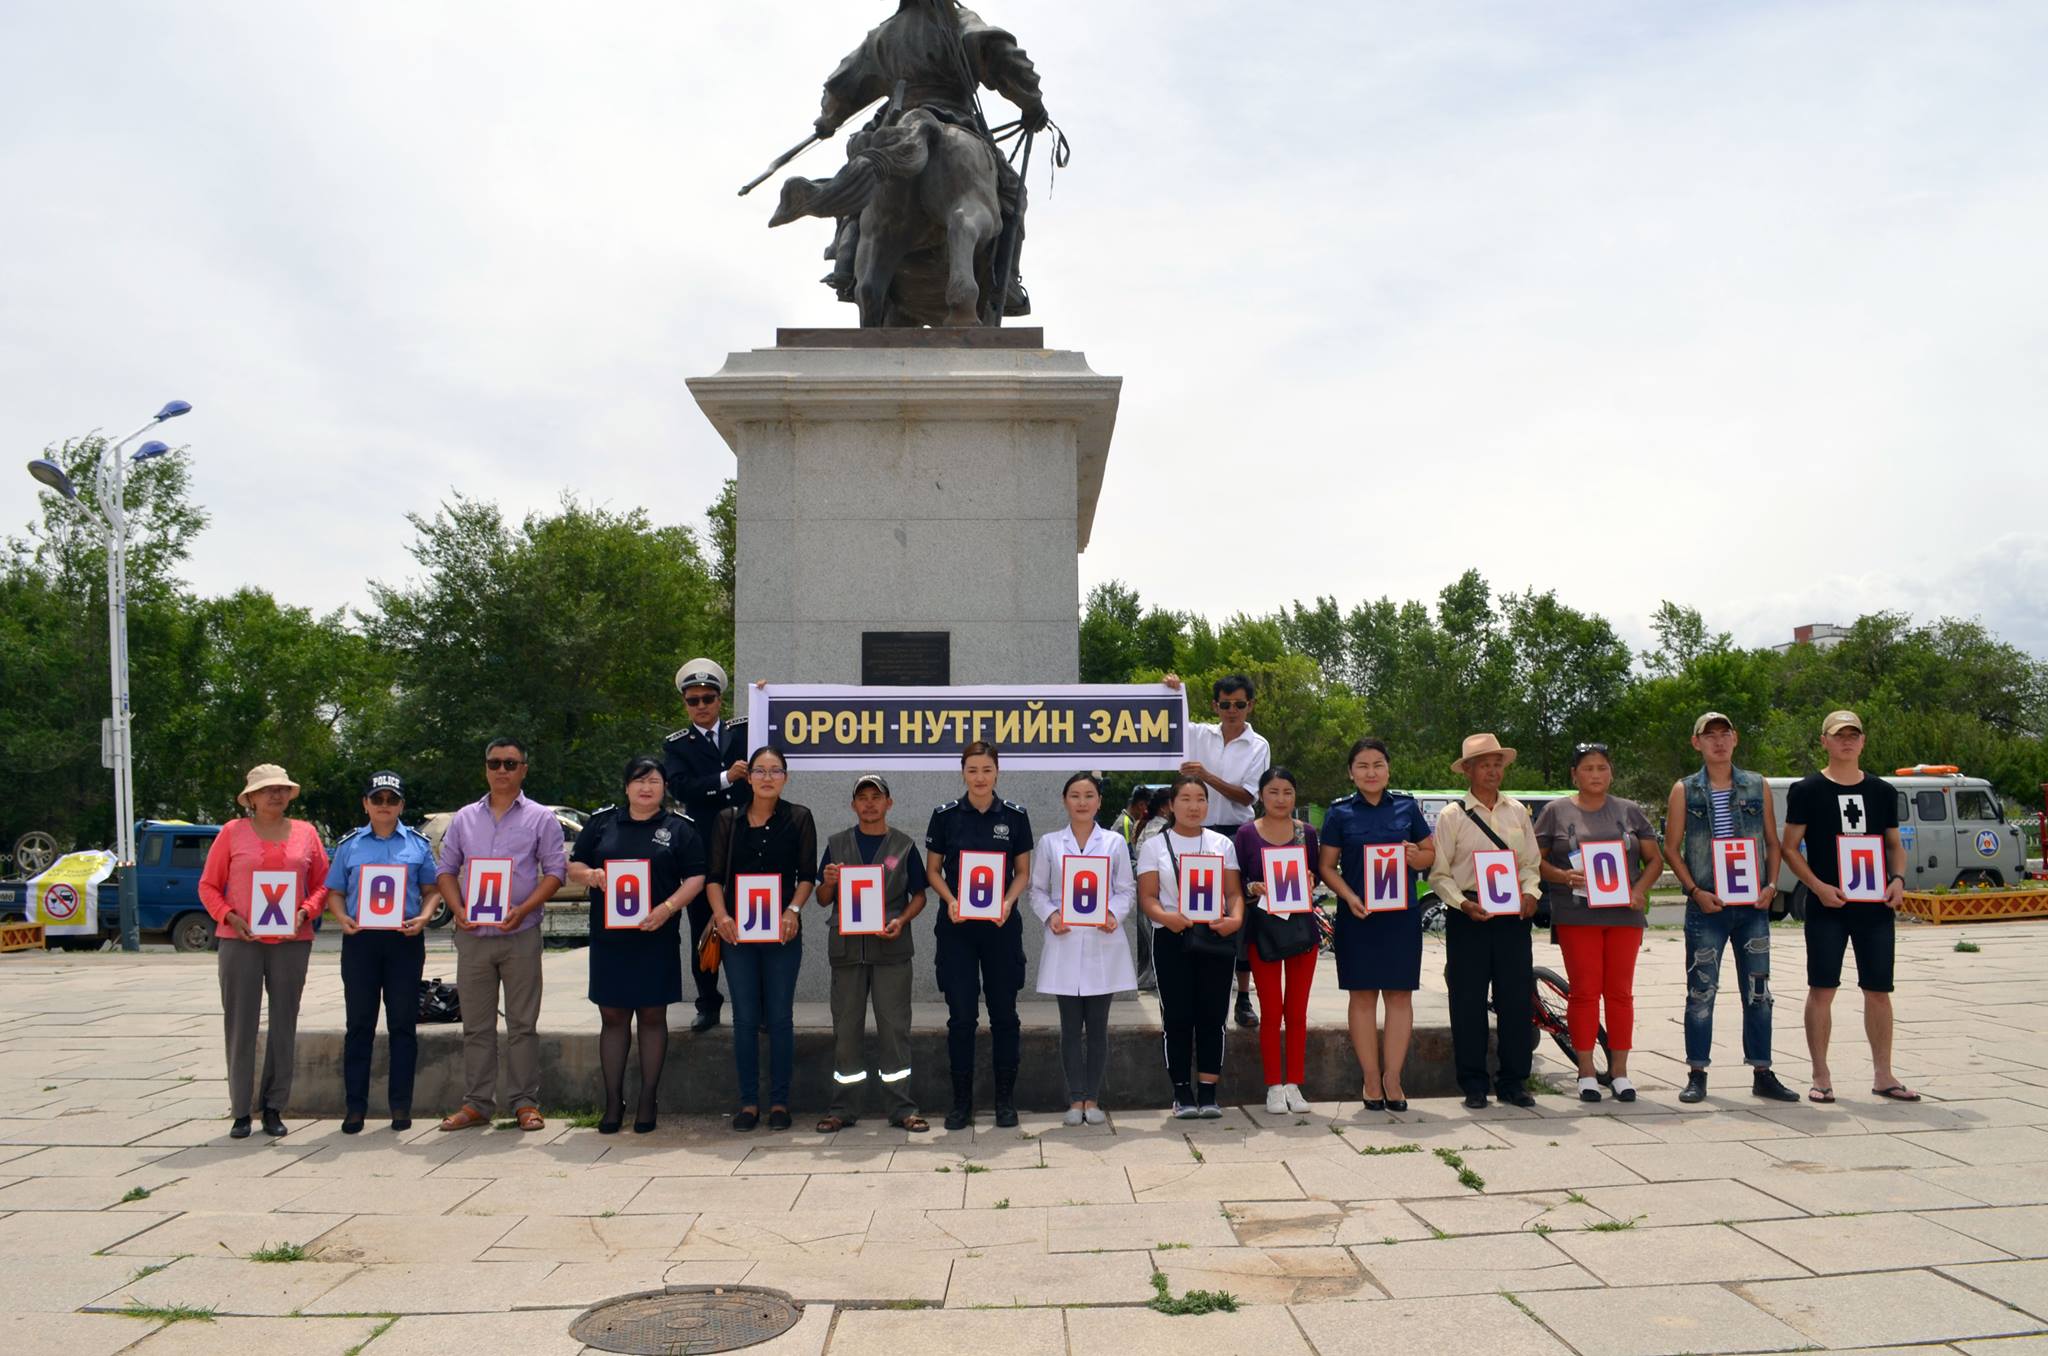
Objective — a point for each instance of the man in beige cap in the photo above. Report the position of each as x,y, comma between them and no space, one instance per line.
705,765
1487,950
1722,801
1843,800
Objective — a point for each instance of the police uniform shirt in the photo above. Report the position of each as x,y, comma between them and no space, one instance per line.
694,764
666,842
405,847
958,827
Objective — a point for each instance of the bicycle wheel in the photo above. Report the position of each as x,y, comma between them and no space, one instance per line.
1552,991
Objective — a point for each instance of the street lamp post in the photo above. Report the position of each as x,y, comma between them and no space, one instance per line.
112,513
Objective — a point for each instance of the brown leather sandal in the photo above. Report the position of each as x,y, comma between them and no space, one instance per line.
831,1125
529,1118
465,1118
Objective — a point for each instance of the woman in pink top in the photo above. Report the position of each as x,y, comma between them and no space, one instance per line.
264,884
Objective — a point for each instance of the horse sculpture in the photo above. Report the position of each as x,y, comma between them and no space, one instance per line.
928,217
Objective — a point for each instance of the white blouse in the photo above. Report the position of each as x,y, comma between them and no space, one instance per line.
1153,857
1087,960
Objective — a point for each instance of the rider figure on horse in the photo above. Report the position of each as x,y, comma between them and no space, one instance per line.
925,61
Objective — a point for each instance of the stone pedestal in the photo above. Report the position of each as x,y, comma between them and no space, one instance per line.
926,481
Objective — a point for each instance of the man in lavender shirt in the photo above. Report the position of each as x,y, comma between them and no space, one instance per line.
500,947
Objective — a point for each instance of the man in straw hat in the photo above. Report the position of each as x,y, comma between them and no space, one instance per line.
705,765
1487,949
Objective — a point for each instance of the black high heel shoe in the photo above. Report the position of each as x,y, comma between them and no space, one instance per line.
653,1110
609,1124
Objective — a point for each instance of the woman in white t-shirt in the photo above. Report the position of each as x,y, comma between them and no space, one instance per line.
1195,961
1084,963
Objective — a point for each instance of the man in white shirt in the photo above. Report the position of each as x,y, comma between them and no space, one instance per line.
1229,757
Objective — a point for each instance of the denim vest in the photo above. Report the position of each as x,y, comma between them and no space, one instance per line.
1747,806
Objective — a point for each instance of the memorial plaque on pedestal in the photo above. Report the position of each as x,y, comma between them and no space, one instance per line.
906,658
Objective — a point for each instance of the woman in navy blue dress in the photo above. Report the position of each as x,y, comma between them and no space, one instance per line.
1379,951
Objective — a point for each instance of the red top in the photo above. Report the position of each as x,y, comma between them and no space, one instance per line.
237,853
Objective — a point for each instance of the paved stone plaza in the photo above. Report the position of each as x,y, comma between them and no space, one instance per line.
1647,1230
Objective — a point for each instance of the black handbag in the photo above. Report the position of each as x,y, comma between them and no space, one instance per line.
439,1002
1280,935
1201,939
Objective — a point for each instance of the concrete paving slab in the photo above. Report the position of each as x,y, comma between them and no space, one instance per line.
1827,1191
1662,1320
955,1232
1105,1228
958,1332
533,1195
2012,1184
1251,1181
411,1238
1675,1256
1661,1204
71,1334
431,1288
1885,1308
300,1336
1141,1332
35,1234
2024,1284
538,1333
75,1193
2021,1230
233,1286
58,1284
875,1190
1486,1213
224,1234
1482,1264
722,1235
1298,1224
1050,1185
1109,1277
1895,1241
1989,1147
1449,1324
584,1238
1375,1178
889,1279
376,1196
696,1195
1267,1275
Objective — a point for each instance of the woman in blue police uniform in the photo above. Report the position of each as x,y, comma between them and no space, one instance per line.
979,958
1379,953
380,966
637,969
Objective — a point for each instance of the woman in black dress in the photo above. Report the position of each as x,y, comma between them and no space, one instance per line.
637,968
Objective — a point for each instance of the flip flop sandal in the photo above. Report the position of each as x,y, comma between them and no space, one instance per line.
1897,1092
1817,1093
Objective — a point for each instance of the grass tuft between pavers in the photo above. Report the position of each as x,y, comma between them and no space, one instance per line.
1193,1302
167,1313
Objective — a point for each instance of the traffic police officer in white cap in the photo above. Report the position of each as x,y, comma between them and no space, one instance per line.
705,765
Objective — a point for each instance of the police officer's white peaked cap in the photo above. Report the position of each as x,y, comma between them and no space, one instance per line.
700,673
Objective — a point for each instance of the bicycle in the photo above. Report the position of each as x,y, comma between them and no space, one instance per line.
1549,995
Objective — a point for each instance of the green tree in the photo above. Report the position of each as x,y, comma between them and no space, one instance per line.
564,631
1570,671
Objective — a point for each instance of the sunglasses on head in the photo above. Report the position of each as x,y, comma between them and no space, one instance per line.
701,699
387,798
1238,705
504,764
1578,749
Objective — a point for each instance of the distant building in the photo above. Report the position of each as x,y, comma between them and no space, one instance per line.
1820,635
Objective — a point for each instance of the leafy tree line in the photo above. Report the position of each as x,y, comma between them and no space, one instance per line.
1545,676
563,628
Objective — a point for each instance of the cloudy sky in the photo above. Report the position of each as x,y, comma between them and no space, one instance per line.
1741,304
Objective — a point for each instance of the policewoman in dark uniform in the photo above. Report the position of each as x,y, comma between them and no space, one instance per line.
380,967
637,969
976,958
705,766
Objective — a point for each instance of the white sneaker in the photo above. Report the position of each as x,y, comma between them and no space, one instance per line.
1094,1116
1276,1100
1073,1116
1296,1103
1184,1112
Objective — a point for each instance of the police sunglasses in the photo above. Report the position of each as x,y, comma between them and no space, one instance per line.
702,699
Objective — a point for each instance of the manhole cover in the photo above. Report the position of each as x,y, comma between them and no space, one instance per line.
686,1320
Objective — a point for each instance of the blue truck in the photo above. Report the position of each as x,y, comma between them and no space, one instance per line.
169,858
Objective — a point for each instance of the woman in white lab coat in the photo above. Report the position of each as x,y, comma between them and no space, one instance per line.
1083,965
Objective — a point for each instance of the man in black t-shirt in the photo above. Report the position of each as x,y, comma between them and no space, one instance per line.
1842,801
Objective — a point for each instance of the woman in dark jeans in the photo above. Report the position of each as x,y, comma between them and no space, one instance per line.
773,837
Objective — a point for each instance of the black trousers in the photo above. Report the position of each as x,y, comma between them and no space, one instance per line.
1493,954
980,963
1244,959
1194,1000
709,999
380,969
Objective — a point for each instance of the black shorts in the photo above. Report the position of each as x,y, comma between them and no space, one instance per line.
1831,932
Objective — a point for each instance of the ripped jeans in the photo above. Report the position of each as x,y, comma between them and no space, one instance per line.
1748,931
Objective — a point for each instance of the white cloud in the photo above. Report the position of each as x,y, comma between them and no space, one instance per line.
1737,305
